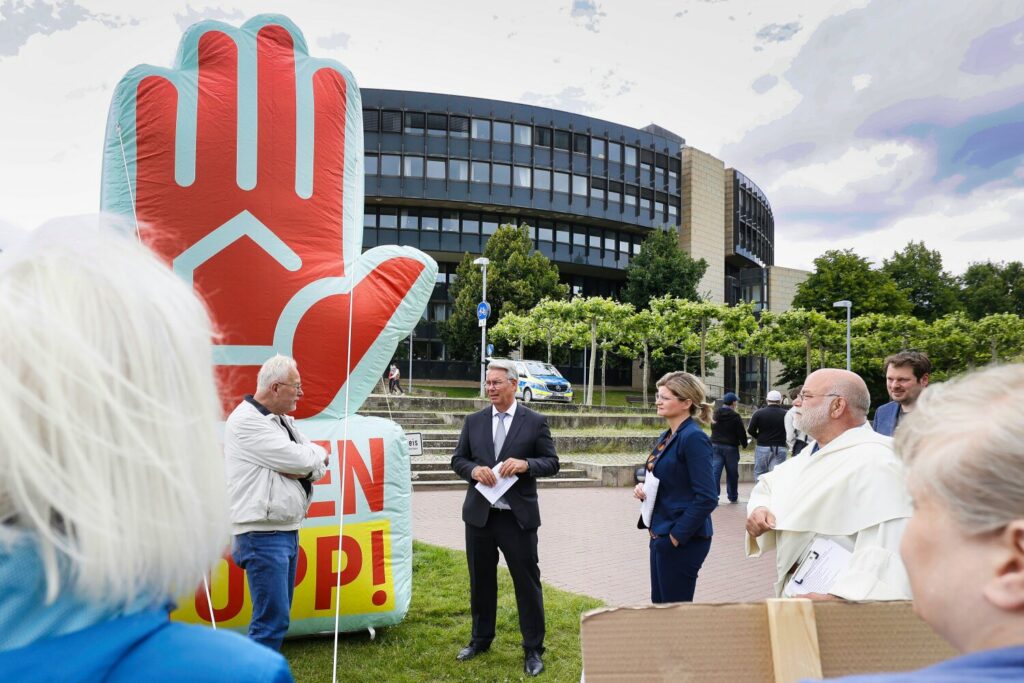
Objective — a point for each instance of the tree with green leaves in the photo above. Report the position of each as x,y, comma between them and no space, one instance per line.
684,319
799,333
662,268
952,345
734,335
918,273
842,274
517,278
1002,334
610,334
551,316
516,330
987,288
592,313
640,330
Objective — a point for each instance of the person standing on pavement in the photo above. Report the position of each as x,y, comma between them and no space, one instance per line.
906,376
768,427
727,437
270,469
686,494
518,442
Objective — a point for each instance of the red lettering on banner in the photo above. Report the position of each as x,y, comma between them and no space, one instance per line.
377,546
236,596
326,577
300,567
355,468
323,508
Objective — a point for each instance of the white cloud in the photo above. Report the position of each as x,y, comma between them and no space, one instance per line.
588,13
861,81
838,181
334,41
981,226
778,33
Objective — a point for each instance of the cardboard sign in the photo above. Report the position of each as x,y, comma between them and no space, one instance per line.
738,642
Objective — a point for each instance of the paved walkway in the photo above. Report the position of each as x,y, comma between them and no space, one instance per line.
589,544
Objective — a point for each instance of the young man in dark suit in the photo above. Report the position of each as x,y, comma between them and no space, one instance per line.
519,440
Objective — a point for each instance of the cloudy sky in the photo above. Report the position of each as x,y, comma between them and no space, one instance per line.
868,123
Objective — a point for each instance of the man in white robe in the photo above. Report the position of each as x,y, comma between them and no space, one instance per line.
849,490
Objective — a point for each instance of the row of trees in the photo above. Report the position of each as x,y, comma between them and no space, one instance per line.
801,340
912,282
910,301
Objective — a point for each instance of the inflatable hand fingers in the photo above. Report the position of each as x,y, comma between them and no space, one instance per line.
243,165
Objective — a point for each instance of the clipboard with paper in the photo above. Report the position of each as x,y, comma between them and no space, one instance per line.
824,562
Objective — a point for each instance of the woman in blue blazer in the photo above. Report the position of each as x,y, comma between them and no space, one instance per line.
680,525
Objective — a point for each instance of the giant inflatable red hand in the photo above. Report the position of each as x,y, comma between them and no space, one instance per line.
243,165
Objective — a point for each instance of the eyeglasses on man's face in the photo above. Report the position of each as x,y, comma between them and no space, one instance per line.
296,387
803,396
497,383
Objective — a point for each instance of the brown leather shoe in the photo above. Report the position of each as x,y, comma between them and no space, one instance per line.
532,663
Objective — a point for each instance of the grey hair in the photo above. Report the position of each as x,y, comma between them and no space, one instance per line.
275,369
110,456
964,442
508,366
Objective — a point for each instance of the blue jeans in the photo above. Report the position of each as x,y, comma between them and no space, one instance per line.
728,458
766,458
269,559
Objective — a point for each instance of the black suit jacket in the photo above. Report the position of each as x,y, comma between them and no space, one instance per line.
528,439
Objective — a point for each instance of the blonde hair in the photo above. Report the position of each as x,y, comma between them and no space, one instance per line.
686,386
964,442
109,450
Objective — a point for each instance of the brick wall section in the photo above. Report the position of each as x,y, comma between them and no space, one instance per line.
730,212
702,219
782,284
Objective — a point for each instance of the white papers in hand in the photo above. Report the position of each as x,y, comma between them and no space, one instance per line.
493,493
650,494
819,570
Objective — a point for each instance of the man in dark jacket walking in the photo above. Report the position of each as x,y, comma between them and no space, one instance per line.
768,426
727,436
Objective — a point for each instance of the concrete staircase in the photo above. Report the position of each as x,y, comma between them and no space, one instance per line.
438,476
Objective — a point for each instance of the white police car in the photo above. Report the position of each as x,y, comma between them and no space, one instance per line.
539,381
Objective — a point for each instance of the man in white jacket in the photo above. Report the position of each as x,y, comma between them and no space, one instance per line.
848,489
270,470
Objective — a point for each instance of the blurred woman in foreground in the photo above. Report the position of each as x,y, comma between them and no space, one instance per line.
112,498
964,547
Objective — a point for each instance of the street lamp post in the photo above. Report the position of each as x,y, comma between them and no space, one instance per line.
483,262
848,305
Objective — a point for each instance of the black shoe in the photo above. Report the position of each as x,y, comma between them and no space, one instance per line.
470,651
532,664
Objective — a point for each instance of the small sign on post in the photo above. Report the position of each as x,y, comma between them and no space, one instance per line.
415,443
483,312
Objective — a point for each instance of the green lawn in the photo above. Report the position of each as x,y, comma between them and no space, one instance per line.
423,647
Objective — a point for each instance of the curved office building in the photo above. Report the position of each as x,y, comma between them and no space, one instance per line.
444,171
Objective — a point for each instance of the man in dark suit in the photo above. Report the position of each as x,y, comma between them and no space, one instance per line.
519,441
906,376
